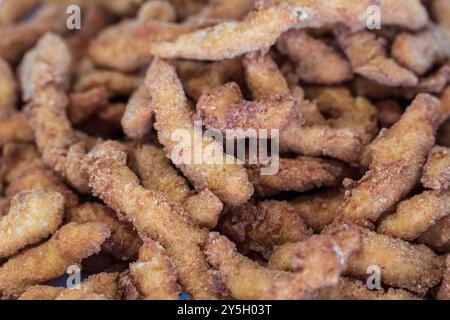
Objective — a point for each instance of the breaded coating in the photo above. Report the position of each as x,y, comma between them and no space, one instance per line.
228,181
84,104
8,88
410,14
444,290
226,9
12,10
403,265
419,52
368,57
16,39
44,77
157,10
319,210
396,160
123,243
261,226
436,175
33,215
137,120
204,208
300,174
316,62
14,128
154,273
152,215
441,11
351,289
116,83
225,108
34,177
126,46
389,112
415,215
71,244
41,292
16,158
437,236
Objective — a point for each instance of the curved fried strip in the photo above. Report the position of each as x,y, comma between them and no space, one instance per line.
444,290
351,289
300,174
123,243
14,128
32,216
410,14
126,46
45,77
84,104
421,51
71,244
154,273
225,108
138,117
403,265
12,10
319,210
415,215
226,9
261,226
441,11
397,157
316,62
389,112
368,57
34,177
151,214
8,88
436,175
16,158
228,181
117,83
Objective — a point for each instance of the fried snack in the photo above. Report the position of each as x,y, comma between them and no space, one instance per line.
444,290
8,88
228,181
126,46
320,209
41,292
437,236
415,215
351,289
14,128
260,226
261,28
32,216
106,122
225,108
389,112
441,11
368,57
199,77
138,117
300,174
44,77
154,274
72,243
16,39
204,208
316,62
35,177
123,243
226,9
84,104
117,83
396,160
410,14
16,158
421,51
152,215
157,10
12,11
436,175
404,265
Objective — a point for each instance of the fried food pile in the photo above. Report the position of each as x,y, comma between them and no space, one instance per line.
92,176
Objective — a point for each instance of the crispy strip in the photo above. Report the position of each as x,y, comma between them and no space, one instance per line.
84,104
410,14
152,215
157,10
397,157
204,208
437,236
436,174
68,246
32,216
117,83
228,181
8,88
138,117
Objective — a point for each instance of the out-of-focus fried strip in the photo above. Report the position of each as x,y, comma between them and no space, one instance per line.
154,273
396,160
389,112
32,216
72,243
157,10
226,9
368,57
403,265
444,290
316,61
436,175
8,88
441,11
14,128
258,227
152,215
117,83
410,14
13,10
84,104
17,157
437,236
228,181
138,117
419,52
123,243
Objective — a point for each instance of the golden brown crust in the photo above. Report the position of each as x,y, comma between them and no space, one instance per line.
138,117
436,174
